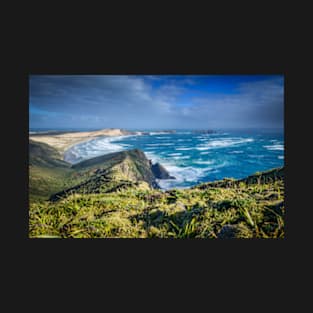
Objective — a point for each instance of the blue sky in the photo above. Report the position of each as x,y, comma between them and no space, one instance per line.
156,101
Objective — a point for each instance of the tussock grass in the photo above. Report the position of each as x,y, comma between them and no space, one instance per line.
114,196
242,211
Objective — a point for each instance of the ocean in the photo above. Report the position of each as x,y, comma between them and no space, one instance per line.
192,157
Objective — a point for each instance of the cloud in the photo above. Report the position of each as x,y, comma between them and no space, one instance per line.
114,100
255,104
144,101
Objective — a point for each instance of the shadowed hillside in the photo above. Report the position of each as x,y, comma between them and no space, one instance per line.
41,154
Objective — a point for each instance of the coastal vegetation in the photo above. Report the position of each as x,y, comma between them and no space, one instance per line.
117,196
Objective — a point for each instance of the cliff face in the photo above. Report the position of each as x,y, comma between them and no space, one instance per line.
160,172
53,178
125,165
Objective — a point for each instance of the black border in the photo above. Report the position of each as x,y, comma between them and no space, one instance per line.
259,265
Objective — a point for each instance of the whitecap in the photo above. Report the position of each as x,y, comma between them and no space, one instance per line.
223,143
182,175
278,147
202,148
184,148
94,148
203,162
236,151
158,133
181,157
159,144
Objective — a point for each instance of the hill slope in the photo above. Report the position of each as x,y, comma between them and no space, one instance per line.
47,172
52,178
113,196
41,154
111,172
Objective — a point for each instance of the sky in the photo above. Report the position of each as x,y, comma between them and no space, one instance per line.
156,101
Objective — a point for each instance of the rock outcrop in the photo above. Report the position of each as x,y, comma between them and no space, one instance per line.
160,172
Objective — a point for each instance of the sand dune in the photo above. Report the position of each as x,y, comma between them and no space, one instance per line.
64,141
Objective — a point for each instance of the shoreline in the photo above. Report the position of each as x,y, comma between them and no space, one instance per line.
66,140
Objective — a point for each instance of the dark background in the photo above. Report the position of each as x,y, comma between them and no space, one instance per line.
157,274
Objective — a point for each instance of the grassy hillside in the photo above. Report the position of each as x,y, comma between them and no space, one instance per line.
129,165
113,196
41,154
244,211
265,177
52,178
47,172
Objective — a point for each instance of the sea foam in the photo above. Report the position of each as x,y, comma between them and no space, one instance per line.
94,148
223,143
278,147
184,148
191,159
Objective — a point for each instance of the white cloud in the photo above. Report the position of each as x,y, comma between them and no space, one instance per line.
255,104
131,102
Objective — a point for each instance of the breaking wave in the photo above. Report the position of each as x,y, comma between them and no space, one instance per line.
192,158
278,147
94,148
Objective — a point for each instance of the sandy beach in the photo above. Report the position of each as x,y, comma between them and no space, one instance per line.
64,141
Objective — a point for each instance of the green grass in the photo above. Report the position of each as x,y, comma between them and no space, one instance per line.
44,181
49,176
113,196
251,210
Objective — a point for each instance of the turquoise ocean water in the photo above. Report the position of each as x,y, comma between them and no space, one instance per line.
193,158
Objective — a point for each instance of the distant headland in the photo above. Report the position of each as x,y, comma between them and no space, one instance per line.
204,131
